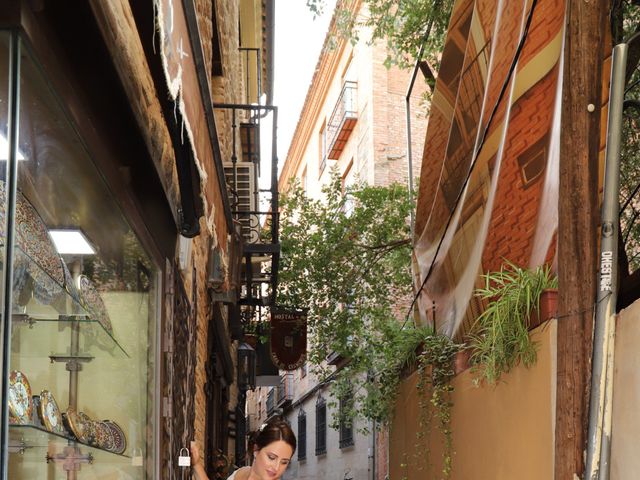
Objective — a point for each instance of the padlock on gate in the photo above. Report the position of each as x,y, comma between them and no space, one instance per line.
184,460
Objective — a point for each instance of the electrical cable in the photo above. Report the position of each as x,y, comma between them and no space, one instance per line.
505,84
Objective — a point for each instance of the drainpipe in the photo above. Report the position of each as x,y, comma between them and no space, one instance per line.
408,126
600,402
373,450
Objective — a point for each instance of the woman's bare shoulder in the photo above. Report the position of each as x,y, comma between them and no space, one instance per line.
240,474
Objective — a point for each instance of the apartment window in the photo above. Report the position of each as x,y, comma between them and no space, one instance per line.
304,184
348,181
323,148
302,435
346,423
321,426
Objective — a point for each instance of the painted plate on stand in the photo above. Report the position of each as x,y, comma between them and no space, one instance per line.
20,401
50,413
80,425
92,301
45,266
104,436
119,439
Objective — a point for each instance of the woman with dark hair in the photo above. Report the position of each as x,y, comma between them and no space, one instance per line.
273,448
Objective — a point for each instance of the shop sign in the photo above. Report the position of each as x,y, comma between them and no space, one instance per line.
288,338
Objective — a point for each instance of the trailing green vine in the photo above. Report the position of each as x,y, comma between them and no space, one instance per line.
435,372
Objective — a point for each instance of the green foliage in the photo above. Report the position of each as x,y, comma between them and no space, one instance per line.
435,370
500,338
625,21
347,259
405,26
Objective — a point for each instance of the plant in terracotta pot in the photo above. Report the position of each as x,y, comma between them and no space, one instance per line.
500,337
255,332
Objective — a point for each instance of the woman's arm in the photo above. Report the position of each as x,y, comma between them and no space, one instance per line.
196,463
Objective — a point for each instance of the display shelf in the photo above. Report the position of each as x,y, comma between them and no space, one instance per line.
89,329
22,437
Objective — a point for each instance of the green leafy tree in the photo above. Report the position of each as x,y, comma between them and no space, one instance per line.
346,258
405,25
625,24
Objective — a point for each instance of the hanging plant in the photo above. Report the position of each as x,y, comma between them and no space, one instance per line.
500,337
435,372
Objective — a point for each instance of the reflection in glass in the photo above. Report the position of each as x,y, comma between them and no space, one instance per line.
83,322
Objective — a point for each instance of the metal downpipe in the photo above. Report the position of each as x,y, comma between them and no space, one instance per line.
599,433
408,126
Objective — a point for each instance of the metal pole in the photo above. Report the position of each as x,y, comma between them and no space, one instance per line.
599,433
12,138
408,125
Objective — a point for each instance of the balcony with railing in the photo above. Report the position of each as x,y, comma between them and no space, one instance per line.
343,120
285,390
251,174
271,401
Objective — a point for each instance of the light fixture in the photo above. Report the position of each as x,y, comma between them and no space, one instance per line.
4,150
246,367
71,242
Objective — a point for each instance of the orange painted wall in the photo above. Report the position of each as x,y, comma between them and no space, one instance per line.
499,433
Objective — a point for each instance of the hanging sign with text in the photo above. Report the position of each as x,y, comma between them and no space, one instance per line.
288,338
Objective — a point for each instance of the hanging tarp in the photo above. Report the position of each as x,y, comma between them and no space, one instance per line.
489,178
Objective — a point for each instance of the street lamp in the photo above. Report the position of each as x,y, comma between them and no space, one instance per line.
246,367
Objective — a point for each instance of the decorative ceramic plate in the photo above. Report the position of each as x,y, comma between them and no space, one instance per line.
32,236
119,439
104,436
92,301
50,413
20,401
80,425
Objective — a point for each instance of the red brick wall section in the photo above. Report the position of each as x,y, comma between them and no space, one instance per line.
515,210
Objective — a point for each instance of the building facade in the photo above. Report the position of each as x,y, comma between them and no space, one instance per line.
116,129
489,193
353,121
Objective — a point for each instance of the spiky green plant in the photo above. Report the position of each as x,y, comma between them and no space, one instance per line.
500,337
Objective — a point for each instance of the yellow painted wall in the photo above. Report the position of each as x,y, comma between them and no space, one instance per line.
499,433
625,461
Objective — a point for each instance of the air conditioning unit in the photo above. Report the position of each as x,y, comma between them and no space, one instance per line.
242,193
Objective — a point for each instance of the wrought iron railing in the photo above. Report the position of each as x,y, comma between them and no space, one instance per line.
254,200
342,120
285,390
271,404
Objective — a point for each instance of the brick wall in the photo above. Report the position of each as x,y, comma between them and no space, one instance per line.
224,89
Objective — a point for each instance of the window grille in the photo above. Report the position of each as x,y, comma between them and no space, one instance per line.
302,435
321,426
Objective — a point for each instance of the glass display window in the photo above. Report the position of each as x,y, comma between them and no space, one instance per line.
83,302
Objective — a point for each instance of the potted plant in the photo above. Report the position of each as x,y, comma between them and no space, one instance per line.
500,337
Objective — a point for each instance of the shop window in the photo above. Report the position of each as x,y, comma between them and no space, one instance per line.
348,181
323,148
321,426
302,435
84,319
